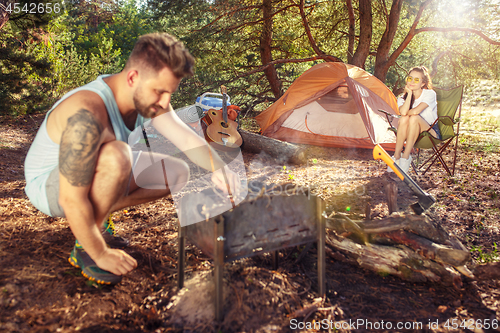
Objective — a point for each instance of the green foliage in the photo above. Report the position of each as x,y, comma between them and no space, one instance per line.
70,68
225,38
24,76
96,36
70,52
485,256
465,57
25,16
125,24
23,89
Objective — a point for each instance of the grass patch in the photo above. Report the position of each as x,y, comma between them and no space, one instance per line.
473,142
480,122
485,256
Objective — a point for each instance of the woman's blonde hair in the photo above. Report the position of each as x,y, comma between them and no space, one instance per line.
425,76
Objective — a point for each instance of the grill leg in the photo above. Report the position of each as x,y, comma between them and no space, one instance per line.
275,256
182,257
219,267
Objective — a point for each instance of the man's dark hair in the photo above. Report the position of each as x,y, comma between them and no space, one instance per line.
157,50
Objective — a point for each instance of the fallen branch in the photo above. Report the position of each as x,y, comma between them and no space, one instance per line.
282,151
413,247
400,261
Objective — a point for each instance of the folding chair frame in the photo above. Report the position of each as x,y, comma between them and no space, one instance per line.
437,155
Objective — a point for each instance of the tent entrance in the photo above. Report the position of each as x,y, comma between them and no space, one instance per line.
333,114
339,100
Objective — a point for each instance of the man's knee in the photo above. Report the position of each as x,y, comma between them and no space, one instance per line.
181,176
183,172
115,158
169,172
177,172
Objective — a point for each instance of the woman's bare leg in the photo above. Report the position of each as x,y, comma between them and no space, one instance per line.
416,125
401,136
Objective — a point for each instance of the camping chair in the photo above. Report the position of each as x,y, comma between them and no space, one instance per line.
448,102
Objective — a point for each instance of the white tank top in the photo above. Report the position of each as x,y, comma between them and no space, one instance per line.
43,155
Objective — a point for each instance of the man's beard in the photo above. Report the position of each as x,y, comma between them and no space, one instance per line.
143,109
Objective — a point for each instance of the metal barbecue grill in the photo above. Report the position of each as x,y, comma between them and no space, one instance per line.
262,223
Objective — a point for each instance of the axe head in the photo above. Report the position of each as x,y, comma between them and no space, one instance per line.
424,202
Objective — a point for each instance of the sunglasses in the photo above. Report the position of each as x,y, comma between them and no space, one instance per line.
414,79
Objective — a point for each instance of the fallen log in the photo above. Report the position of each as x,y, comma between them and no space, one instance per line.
399,261
426,248
413,247
282,151
421,225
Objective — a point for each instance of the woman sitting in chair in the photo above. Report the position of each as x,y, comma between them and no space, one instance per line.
418,109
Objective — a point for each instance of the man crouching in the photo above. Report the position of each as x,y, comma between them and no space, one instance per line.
80,166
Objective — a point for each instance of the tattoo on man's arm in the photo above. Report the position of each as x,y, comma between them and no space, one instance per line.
79,148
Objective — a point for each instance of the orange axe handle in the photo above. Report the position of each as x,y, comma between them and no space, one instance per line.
380,154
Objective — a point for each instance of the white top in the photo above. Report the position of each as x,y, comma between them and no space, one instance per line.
43,155
428,97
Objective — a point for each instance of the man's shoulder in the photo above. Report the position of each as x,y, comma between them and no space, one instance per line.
81,100
85,99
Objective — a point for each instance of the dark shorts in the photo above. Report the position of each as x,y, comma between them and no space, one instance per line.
436,129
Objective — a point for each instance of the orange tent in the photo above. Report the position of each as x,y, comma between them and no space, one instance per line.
332,105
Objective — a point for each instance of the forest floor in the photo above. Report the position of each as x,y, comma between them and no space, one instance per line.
41,292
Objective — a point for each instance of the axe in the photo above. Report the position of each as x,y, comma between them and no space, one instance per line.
425,200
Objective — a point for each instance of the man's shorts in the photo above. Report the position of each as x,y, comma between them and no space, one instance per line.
52,188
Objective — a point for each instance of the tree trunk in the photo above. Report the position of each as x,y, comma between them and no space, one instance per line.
382,63
266,40
402,262
426,248
365,36
280,150
4,15
435,63
352,31
312,42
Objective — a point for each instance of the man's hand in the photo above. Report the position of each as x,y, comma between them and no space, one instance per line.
232,179
116,261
